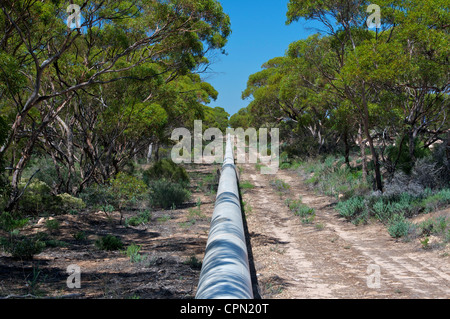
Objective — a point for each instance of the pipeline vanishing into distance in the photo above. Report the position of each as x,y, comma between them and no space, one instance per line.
225,272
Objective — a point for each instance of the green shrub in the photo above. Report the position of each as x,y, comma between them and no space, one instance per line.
332,178
21,247
109,242
435,201
122,192
436,226
48,172
133,253
209,183
143,218
383,212
166,169
9,223
405,203
441,224
399,226
165,194
193,262
79,236
352,207
405,162
386,206
425,243
48,240
38,198
246,185
98,196
195,214
69,202
52,225
127,189
306,213
280,185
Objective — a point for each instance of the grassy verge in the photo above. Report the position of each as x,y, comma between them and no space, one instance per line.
306,213
359,204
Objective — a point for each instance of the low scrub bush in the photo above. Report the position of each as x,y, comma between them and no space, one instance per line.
52,225
193,262
352,208
280,185
246,185
306,213
385,206
434,226
48,240
166,169
143,218
333,178
398,226
109,242
133,252
122,192
49,174
70,203
401,183
98,196
127,190
10,222
21,247
38,198
195,214
435,201
79,236
209,183
165,194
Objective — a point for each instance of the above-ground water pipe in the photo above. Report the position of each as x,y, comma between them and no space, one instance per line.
225,271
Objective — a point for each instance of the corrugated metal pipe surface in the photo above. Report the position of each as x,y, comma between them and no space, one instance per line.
225,272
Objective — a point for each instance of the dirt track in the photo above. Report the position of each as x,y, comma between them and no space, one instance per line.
299,261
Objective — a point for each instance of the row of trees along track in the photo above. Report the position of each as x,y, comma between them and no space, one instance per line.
94,97
351,86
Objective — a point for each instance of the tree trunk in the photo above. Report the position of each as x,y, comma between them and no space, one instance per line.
149,153
26,155
362,146
379,183
376,162
70,187
17,173
347,148
157,152
412,146
448,147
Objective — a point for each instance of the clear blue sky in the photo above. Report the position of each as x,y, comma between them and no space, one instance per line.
259,34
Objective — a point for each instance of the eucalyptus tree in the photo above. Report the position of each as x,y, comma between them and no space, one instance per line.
216,117
242,119
46,66
105,130
406,59
290,90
